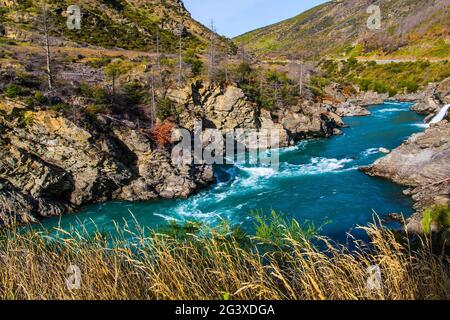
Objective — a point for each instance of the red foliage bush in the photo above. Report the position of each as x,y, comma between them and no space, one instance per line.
161,133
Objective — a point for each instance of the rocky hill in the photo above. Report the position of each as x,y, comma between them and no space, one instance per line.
409,29
134,24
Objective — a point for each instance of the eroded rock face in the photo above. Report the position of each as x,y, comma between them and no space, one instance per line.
219,108
228,109
351,110
50,166
423,165
434,96
368,98
309,120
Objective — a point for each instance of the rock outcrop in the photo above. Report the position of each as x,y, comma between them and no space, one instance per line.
434,96
421,164
351,110
50,165
228,109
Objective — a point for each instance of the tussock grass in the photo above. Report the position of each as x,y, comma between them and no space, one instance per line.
285,263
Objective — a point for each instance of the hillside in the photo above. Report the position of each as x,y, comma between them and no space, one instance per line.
410,29
126,24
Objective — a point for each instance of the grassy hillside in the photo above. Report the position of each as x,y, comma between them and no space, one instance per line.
391,78
133,25
409,29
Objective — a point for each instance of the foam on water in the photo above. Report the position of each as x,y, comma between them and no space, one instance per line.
370,151
389,110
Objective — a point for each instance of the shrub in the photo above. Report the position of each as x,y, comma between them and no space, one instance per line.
39,97
13,91
134,92
196,65
438,214
26,118
166,109
162,134
60,107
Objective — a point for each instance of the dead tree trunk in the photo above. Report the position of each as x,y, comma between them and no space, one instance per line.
301,79
45,27
212,52
180,58
153,103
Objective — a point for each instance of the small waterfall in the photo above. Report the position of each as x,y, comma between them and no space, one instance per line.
441,115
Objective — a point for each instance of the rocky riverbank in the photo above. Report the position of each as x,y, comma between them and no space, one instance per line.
422,162
50,165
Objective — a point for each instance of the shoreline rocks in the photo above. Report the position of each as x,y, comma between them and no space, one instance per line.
422,165
228,109
51,166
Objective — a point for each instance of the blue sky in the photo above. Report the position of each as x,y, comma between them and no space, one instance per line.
235,17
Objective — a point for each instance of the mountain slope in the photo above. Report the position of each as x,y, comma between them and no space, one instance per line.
409,28
127,24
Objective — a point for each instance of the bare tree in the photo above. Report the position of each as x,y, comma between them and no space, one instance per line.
46,43
212,52
153,100
158,56
226,64
180,55
301,77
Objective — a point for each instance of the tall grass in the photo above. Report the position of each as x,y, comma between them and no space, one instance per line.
193,263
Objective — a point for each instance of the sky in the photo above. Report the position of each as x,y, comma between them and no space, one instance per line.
235,17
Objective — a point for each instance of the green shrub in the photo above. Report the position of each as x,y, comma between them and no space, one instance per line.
13,91
39,97
196,65
60,107
134,92
438,214
26,118
166,109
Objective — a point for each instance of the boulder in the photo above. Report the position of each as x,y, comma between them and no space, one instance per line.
351,110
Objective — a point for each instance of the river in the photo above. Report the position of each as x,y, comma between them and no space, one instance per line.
318,181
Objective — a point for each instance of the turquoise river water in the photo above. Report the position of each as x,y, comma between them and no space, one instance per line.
318,181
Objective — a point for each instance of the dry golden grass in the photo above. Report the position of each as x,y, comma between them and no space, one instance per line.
213,264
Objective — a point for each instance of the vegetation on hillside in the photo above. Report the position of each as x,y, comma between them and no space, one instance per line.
339,29
281,261
391,78
114,24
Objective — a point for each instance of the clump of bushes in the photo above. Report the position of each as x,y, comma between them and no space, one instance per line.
439,214
269,89
391,78
13,90
134,92
166,109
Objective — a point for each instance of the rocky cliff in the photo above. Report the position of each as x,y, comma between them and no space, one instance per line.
50,165
227,108
423,162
